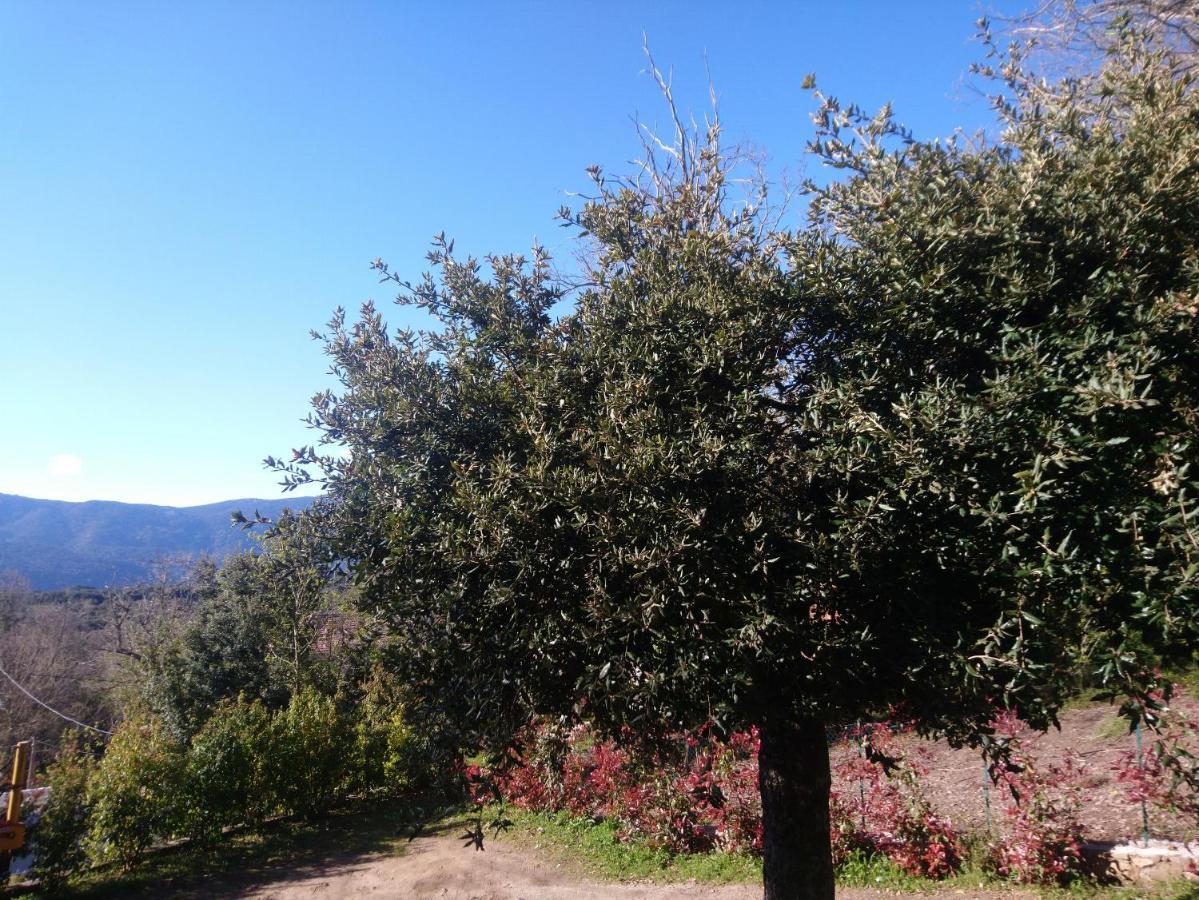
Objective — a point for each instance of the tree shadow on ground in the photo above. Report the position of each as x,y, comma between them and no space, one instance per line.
282,852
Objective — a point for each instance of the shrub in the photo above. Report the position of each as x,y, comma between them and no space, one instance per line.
705,798
311,766
1042,843
391,756
137,793
229,778
58,836
1166,775
890,814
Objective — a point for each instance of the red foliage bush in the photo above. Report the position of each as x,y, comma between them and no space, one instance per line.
1042,843
706,797
890,813
1166,775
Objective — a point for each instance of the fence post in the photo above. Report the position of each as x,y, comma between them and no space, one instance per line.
987,795
861,785
20,769
1144,806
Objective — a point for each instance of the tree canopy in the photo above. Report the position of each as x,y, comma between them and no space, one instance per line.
929,452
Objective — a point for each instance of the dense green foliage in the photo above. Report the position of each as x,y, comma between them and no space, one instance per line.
231,773
266,701
63,824
135,793
244,766
1012,399
930,452
266,625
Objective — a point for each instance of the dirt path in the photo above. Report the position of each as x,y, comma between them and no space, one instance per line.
439,868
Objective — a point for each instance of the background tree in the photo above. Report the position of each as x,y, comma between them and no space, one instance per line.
53,651
266,626
925,456
81,651
1071,35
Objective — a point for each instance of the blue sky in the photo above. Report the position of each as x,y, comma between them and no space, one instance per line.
188,188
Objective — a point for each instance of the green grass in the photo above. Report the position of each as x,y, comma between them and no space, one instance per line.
1114,726
866,871
1175,890
594,850
1187,676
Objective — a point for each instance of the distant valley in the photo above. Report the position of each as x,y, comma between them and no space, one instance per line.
56,544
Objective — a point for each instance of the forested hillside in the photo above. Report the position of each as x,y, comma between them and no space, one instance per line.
55,544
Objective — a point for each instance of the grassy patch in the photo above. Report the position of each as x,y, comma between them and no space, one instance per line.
1174,890
1114,726
593,849
872,871
1187,676
864,870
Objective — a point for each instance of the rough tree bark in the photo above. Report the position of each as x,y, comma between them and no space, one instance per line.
793,776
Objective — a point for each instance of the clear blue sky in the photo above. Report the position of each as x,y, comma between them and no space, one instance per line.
188,188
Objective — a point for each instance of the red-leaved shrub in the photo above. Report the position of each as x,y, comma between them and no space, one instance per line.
1042,840
887,812
705,796
1166,774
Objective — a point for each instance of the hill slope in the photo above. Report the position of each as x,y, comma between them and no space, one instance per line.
57,544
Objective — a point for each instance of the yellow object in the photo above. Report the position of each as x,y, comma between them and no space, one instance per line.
12,836
12,832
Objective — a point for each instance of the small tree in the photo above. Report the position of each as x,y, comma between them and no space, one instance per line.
136,797
256,632
60,832
929,453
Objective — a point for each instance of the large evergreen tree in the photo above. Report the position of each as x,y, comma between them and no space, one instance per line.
931,452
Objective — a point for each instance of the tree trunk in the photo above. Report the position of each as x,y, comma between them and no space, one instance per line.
793,776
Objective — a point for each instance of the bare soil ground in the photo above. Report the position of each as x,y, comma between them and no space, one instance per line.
439,866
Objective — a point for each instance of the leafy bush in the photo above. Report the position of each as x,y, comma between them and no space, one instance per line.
136,793
311,766
59,833
229,778
704,799
242,763
391,755
890,815
1042,843
1166,775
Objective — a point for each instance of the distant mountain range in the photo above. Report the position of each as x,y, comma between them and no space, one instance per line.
98,543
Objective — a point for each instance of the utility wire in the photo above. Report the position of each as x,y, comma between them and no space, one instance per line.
47,706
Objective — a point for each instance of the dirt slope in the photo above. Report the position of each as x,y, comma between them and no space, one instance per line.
955,782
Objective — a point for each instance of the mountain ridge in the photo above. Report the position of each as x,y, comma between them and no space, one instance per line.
59,543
